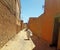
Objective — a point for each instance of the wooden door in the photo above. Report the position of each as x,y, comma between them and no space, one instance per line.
55,32
59,38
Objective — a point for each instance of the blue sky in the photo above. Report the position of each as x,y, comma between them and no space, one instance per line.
31,8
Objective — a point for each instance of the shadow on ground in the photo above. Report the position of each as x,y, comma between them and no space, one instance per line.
41,44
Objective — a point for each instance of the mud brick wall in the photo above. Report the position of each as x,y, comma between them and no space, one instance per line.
18,28
7,21
44,24
22,25
18,25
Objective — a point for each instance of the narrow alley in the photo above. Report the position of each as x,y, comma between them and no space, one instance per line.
18,43
24,27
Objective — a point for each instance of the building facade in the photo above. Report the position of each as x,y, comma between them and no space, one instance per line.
44,25
10,11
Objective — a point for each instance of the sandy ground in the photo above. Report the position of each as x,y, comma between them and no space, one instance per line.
18,42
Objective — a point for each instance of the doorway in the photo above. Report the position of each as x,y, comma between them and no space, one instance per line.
55,32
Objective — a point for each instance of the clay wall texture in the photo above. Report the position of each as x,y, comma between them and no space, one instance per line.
8,19
44,24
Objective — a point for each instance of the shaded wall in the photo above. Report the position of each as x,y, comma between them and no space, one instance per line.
22,25
59,36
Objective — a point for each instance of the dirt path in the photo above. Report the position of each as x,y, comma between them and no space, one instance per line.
18,42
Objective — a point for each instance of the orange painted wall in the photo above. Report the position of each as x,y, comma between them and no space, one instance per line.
34,25
46,27
43,25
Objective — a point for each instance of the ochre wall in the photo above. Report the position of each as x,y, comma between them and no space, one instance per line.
44,24
42,27
8,26
34,26
22,25
18,25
